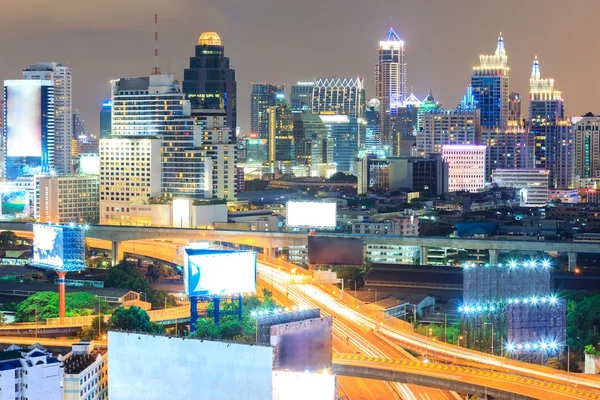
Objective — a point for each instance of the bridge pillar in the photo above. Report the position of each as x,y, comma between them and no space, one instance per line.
270,251
116,254
423,255
572,261
193,313
494,255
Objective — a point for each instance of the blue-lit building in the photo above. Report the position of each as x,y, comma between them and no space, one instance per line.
301,96
28,133
372,128
263,96
106,119
344,132
489,83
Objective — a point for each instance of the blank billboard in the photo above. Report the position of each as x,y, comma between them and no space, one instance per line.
218,272
303,345
48,245
311,214
328,250
24,118
303,385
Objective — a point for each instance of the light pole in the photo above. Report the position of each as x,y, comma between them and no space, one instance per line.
492,324
145,298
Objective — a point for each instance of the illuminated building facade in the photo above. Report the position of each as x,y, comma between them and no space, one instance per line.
344,131
390,81
372,122
587,147
281,134
62,199
514,107
257,151
339,96
510,147
301,96
263,96
466,167
106,119
489,83
313,146
28,134
60,75
443,127
209,82
533,184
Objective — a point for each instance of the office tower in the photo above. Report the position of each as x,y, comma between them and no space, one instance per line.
514,107
508,148
106,119
546,115
130,173
339,96
405,125
63,199
209,82
563,174
489,83
466,167
263,96
281,135
344,131
372,128
301,96
443,127
28,127
311,139
587,146
218,141
532,184
257,150
60,75
390,81
79,126
154,106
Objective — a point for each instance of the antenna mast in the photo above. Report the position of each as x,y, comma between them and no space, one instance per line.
156,68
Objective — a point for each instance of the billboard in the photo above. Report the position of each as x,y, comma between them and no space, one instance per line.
329,250
311,214
23,118
209,272
302,345
14,202
303,385
89,164
60,248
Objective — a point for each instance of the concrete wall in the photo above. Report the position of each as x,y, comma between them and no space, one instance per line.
145,367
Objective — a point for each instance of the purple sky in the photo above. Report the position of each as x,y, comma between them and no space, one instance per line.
286,41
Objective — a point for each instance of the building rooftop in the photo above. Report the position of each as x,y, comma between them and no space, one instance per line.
75,364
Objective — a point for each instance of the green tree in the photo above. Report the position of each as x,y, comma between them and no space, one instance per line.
42,305
206,328
132,319
125,275
583,320
158,299
97,330
156,272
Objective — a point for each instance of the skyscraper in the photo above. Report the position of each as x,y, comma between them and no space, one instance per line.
344,131
28,127
466,167
301,96
209,82
106,119
263,96
446,127
311,139
587,147
390,81
281,134
489,83
339,96
60,75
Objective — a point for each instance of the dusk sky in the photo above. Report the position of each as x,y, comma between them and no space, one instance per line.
286,41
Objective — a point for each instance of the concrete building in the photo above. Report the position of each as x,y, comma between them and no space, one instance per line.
402,225
263,96
466,167
390,82
566,196
312,143
587,147
60,75
532,183
64,199
339,96
390,254
301,96
32,374
443,127
130,172
85,373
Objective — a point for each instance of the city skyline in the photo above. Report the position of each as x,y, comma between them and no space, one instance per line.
99,49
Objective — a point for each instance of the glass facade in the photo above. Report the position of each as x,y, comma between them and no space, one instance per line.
106,120
344,132
301,96
263,96
338,96
281,133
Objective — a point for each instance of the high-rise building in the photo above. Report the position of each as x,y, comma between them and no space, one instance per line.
507,148
489,83
532,183
443,127
390,81
257,151
514,107
28,127
209,82
466,167
60,75
546,115
63,199
301,96
263,96
344,131
372,128
587,146
311,139
281,134
79,126
106,119
339,96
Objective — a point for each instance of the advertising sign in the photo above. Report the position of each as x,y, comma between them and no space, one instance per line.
23,118
48,245
311,214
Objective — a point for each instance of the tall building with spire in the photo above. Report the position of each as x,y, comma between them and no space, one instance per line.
390,82
550,129
209,82
489,83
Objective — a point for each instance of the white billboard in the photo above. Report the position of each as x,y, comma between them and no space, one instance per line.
303,385
311,214
24,118
217,272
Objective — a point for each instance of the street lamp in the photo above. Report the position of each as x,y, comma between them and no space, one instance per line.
492,324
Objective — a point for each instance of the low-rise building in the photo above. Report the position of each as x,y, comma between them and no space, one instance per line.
570,196
532,184
85,373
64,199
466,167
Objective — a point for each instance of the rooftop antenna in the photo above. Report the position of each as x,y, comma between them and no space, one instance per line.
156,68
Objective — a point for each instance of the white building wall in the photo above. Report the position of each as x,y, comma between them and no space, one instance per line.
533,184
466,167
176,368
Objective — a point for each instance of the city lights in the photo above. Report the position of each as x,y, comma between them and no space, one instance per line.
491,307
546,346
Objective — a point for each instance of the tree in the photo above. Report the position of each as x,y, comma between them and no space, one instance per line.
583,318
42,305
7,238
158,299
342,177
156,272
132,319
125,275
97,330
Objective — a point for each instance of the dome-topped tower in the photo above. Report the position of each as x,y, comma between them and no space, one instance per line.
209,39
